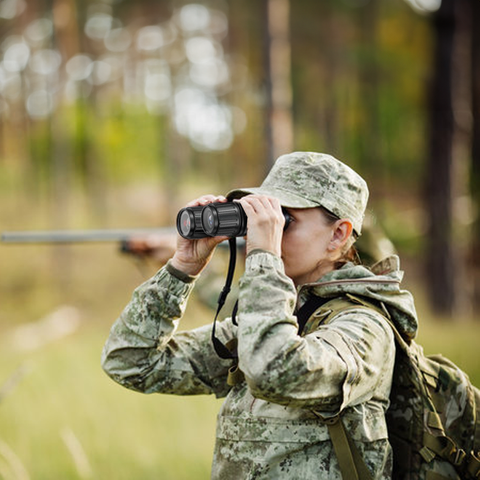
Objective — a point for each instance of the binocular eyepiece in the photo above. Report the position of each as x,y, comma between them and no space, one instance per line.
215,220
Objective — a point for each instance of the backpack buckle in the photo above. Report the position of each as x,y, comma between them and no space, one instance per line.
427,454
329,420
458,457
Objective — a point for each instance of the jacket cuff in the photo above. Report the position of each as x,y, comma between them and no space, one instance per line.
178,274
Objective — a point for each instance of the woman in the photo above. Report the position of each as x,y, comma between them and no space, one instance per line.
274,421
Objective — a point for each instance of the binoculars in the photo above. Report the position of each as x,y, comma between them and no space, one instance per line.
215,220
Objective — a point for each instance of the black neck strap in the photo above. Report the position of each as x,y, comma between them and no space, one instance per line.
221,350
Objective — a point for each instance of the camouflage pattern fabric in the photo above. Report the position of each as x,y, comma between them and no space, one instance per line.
434,414
310,179
433,419
267,428
434,410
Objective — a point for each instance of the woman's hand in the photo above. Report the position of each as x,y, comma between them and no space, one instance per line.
265,223
192,256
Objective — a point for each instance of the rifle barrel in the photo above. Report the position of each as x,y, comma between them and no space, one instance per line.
80,236
90,236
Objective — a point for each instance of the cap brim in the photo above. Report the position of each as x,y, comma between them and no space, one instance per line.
286,198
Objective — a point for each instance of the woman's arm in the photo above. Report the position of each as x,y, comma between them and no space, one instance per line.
144,353
338,365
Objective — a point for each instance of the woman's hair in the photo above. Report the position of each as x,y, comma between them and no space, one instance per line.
349,253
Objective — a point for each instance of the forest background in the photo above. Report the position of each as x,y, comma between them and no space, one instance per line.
115,113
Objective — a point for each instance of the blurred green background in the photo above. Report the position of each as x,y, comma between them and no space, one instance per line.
115,113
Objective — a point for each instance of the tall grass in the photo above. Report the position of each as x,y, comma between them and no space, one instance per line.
66,419
61,417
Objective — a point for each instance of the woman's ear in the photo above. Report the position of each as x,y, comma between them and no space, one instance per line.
341,231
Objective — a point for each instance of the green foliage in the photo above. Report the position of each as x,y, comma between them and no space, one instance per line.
131,143
125,141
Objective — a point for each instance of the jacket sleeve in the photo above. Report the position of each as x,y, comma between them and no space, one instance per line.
144,353
338,365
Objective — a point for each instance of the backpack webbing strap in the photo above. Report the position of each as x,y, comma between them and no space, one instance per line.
308,309
436,476
235,376
473,465
351,463
445,448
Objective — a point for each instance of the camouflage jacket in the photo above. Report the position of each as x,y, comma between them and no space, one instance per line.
267,428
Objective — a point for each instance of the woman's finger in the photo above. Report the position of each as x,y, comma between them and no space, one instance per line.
205,200
263,204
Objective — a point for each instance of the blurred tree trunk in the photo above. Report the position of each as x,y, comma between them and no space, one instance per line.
369,72
66,28
65,40
440,262
36,164
475,166
87,163
60,180
447,136
3,116
277,73
329,119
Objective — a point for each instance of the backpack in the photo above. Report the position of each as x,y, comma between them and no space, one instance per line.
434,414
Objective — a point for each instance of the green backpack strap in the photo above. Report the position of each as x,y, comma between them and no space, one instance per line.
235,375
351,463
332,308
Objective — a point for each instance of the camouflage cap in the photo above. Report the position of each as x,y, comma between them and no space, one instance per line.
308,180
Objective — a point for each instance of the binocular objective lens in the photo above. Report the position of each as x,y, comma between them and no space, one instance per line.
185,223
189,223
208,220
